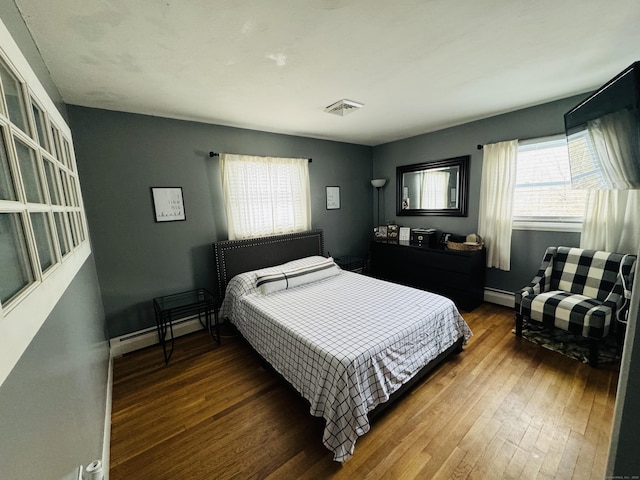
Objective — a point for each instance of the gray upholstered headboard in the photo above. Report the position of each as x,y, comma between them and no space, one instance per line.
238,256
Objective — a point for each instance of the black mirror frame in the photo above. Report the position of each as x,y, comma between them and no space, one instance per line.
463,190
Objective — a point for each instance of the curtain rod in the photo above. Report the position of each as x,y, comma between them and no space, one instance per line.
215,154
525,140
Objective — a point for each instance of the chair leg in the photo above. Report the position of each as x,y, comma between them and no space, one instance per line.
518,325
594,347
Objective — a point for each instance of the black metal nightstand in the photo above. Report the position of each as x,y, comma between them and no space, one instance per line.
178,305
350,263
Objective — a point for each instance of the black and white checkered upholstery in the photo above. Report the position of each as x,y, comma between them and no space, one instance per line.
577,290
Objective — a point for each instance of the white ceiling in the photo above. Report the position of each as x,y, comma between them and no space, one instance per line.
417,65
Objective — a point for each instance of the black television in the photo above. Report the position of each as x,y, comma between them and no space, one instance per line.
603,135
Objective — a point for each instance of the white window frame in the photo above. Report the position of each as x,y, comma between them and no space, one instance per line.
549,225
23,315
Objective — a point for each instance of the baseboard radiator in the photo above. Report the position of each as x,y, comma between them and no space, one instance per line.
149,336
500,297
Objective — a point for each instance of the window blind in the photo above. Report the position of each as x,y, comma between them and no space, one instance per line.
543,183
265,195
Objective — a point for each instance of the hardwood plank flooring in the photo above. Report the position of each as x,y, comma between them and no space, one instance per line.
503,408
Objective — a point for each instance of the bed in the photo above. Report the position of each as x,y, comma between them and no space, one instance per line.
348,343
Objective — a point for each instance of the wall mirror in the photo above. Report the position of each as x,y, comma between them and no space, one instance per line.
433,188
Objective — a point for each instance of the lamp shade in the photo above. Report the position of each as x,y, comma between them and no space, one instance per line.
378,182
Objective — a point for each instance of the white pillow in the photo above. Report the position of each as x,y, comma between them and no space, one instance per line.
294,276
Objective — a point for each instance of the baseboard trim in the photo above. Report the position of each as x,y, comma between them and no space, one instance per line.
149,336
500,297
106,442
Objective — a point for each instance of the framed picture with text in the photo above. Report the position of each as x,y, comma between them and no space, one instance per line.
333,198
168,204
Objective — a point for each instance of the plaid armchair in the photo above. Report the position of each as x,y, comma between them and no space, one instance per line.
577,290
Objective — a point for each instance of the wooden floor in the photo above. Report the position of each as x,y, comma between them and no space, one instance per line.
503,408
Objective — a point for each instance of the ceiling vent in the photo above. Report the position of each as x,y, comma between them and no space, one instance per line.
343,107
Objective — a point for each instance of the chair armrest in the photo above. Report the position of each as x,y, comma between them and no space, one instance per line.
532,289
627,271
541,282
617,298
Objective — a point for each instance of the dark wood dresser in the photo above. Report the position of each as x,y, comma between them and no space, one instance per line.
458,275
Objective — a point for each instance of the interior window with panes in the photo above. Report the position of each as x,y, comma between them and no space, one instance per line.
41,221
43,232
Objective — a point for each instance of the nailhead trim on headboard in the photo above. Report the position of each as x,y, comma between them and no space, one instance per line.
287,247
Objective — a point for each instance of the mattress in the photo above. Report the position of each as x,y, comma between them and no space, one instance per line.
345,342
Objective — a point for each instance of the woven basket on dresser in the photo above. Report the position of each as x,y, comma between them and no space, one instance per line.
464,246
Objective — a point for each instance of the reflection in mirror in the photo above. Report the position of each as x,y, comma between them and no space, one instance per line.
429,189
435,188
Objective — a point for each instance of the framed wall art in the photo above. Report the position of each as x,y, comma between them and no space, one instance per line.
168,204
333,198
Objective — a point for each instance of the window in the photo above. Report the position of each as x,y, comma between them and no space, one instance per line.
265,195
38,118
43,241
16,265
543,197
56,143
35,187
7,190
29,173
13,97
52,184
62,233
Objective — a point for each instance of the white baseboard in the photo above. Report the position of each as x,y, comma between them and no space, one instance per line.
149,336
500,297
106,442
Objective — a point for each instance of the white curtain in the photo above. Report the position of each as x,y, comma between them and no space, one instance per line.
265,195
496,201
612,137
433,190
611,221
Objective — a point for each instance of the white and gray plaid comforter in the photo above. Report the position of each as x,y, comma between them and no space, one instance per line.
345,343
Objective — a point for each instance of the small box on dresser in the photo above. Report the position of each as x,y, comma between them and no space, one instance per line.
423,237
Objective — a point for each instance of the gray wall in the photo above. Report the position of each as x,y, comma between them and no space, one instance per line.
52,405
120,156
527,247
